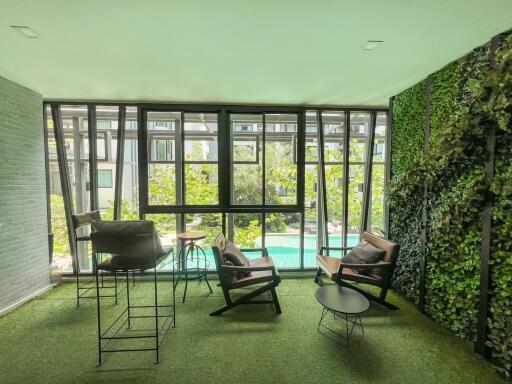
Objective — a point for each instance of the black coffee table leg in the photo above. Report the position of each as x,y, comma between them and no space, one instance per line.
324,312
350,323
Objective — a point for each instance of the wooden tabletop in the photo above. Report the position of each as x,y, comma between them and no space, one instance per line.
191,235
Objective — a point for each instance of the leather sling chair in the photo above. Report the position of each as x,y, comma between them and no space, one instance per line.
132,245
81,222
377,274
262,271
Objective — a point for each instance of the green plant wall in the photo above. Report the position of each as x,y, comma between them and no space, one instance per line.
500,314
455,199
405,214
469,98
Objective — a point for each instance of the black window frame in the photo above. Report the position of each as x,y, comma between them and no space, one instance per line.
225,159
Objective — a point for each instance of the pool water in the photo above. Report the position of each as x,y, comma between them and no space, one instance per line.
285,249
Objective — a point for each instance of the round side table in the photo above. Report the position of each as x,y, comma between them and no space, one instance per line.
346,305
191,264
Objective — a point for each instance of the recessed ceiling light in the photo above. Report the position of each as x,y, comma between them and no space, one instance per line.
26,31
370,45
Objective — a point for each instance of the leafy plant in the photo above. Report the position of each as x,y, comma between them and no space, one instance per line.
499,93
470,98
406,190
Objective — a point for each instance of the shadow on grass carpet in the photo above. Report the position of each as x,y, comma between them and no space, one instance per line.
49,340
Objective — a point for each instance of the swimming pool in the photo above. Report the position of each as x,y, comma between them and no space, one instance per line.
285,249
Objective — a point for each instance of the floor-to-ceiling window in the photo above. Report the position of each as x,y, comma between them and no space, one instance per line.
264,184
256,173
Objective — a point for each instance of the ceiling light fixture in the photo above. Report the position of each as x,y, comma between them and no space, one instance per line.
26,31
370,45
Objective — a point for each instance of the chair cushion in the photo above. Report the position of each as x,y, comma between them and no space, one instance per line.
363,253
330,265
234,255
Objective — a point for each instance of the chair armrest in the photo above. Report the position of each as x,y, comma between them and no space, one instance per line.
269,267
384,264
249,268
263,251
322,249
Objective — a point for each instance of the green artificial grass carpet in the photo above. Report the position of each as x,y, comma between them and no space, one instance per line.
49,340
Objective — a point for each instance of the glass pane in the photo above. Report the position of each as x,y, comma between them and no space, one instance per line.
201,159
245,149
311,216
162,148
334,125
166,226
376,219
202,184
245,230
355,198
381,124
376,211
130,195
359,129
379,148
282,238
105,178
333,122
201,131
311,189
163,121
106,127
211,225
334,128
280,165
75,128
162,182
247,178
334,193
62,259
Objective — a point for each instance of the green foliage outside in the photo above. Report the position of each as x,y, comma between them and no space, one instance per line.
59,228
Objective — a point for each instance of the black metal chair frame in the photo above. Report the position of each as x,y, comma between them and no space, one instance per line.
384,284
161,328
83,287
246,299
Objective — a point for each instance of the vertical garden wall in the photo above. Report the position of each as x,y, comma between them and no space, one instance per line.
406,147
451,162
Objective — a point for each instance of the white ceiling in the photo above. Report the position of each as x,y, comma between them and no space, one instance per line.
239,51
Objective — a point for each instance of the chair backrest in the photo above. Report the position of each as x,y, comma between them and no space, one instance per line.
218,247
391,248
81,219
128,240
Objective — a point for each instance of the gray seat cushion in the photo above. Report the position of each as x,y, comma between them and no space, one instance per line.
363,253
236,257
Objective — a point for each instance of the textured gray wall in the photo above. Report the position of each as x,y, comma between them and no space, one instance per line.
24,266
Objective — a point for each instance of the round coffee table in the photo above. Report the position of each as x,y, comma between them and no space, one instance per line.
200,269
345,304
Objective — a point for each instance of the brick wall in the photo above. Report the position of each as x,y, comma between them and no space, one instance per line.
24,269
